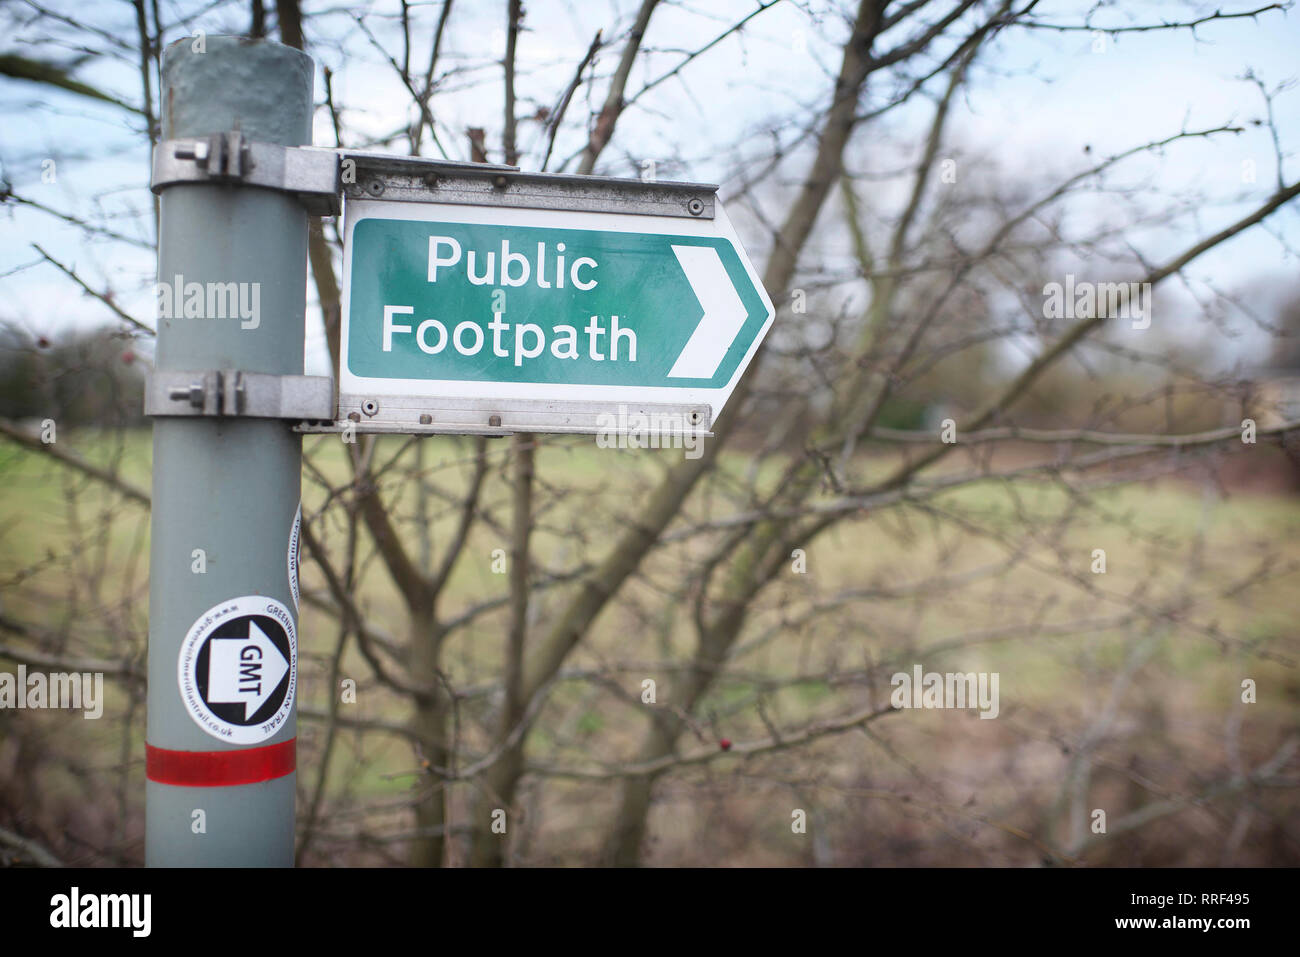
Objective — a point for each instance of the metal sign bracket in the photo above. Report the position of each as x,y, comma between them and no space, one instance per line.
422,415
232,393
309,173
320,177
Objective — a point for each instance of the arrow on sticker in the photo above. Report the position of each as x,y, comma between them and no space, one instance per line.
724,313
245,670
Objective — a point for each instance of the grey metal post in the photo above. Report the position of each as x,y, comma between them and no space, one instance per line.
225,490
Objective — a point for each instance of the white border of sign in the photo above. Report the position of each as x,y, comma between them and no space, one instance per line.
357,210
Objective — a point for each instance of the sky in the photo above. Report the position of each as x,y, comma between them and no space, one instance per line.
1043,105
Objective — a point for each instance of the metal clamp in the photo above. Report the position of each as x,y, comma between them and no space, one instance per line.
234,394
311,174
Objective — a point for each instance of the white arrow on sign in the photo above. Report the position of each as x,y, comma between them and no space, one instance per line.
724,313
245,670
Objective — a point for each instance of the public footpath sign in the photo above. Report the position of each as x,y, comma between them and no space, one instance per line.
460,317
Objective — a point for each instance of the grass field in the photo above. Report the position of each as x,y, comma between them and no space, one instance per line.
1142,665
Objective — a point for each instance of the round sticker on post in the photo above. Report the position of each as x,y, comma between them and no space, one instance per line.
295,548
238,669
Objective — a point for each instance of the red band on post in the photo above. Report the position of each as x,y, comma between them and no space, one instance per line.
214,769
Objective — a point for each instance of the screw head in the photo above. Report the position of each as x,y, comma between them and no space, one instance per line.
369,406
695,417
375,187
695,207
494,421
426,418
500,182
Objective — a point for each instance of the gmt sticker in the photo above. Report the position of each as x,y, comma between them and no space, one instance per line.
238,669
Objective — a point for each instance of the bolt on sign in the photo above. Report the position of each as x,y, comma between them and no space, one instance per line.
542,303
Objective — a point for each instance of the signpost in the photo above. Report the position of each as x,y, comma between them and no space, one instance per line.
495,317
476,299
220,748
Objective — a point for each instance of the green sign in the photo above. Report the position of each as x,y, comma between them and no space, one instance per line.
456,301
521,310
